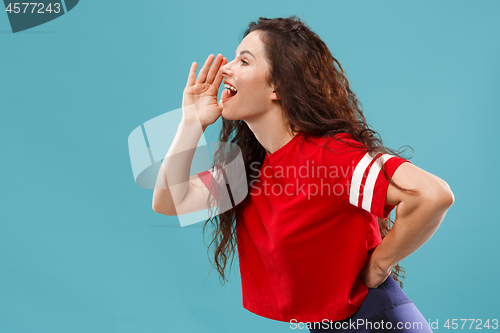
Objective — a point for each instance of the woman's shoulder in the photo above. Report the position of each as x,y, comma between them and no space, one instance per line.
342,139
333,149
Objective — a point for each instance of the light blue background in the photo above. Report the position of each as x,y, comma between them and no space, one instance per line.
81,249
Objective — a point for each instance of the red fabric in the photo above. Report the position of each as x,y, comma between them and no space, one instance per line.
208,179
301,250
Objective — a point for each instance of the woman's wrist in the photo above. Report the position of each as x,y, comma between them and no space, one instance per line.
384,265
192,124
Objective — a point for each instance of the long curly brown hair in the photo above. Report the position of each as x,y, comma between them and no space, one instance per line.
316,100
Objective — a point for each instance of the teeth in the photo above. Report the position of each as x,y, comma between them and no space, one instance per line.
228,86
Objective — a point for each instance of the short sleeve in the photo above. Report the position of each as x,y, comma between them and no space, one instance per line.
362,177
210,176
376,185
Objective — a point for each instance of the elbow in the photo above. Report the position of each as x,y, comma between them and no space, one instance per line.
447,197
450,199
163,211
441,195
156,209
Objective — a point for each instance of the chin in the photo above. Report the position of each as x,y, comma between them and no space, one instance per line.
224,115
241,114
228,116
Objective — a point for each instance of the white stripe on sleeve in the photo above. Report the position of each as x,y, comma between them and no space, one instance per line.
217,174
370,181
357,177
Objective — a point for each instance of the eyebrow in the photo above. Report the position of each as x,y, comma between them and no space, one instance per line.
246,51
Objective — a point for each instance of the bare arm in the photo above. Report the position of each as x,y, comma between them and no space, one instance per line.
169,199
417,216
175,191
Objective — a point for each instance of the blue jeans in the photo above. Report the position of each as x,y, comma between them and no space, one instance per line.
385,309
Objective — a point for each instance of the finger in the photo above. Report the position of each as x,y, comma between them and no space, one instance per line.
219,77
192,74
224,95
202,76
214,69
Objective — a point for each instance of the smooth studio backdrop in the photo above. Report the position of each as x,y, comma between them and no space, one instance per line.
81,249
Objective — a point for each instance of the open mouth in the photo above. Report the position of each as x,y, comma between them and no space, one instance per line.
232,91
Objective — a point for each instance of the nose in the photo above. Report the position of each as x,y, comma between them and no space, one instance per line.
226,70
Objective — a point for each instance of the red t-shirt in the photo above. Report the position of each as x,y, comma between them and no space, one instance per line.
306,230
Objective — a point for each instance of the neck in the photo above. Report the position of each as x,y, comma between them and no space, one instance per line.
271,130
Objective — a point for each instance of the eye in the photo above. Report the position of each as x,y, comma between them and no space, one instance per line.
244,62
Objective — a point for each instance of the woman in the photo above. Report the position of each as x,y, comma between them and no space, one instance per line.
312,235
